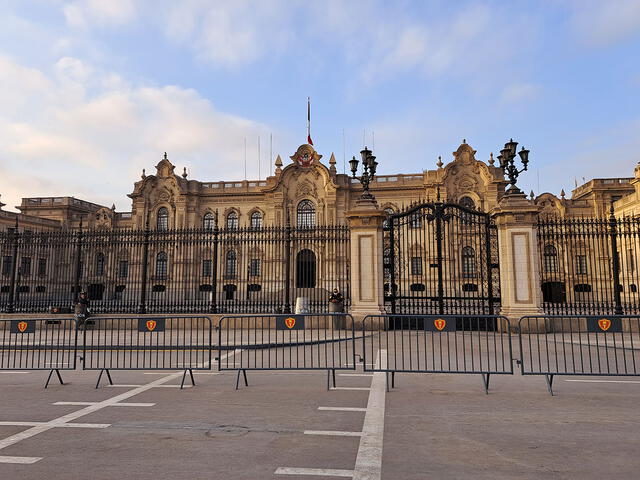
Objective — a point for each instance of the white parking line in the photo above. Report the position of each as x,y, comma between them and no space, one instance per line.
343,409
64,425
23,460
603,381
333,432
122,404
369,458
16,371
318,472
350,388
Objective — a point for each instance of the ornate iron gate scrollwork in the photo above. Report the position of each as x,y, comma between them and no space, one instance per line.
441,258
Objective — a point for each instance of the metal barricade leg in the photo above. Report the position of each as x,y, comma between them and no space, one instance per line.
549,379
108,376
485,381
184,375
244,374
51,373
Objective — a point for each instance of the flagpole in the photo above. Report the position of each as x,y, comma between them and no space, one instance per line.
245,158
259,177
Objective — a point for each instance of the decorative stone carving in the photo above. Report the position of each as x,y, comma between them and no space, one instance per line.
305,156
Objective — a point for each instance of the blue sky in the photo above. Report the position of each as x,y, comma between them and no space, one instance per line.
93,91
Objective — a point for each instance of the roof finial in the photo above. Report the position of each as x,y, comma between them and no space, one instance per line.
464,140
491,160
439,163
562,194
144,175
531,196
184,173
165,156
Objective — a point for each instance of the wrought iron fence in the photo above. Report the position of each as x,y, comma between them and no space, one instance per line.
237,270
441,258
589,265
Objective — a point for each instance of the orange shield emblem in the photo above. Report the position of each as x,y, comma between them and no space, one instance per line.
604,324
290,322
151,325
440,323
22,326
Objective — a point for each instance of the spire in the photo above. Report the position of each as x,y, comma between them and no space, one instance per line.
332,163
278,165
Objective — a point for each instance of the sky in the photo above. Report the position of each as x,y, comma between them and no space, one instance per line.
93,91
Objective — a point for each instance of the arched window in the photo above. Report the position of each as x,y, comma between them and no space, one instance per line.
256,220
231,264
467,202
162,222
550,259
306,214
468,262
99,264
232,220
306,269
208,221
161,265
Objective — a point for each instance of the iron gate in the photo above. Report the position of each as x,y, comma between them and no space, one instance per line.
441,258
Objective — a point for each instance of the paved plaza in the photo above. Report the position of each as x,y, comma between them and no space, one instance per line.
287,425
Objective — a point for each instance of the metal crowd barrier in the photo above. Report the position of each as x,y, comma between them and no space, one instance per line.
474,344
145,343
38,344
287,342
604,345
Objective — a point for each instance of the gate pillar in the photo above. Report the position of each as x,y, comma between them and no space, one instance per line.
365,224
516,219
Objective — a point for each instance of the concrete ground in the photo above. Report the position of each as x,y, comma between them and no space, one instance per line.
287,425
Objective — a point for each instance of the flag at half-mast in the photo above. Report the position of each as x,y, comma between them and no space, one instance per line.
309,121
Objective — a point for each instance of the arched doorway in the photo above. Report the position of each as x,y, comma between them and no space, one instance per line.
306,269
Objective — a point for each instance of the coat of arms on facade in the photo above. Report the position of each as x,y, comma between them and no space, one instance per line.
305,156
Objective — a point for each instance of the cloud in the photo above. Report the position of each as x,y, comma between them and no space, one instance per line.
84,13
602,23
91,133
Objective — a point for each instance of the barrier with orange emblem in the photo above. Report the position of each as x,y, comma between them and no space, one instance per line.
471,344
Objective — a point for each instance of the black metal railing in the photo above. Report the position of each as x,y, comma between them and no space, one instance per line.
287,342
590,265
579,345
38,344
257,270
479,344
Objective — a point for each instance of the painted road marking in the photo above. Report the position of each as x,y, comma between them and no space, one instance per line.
16,371
350,388
332,432
61,421
343,409
603,381
356,374
318,472
122,404
369,458
122,385
64,425
23,460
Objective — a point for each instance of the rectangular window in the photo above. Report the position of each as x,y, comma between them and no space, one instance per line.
416,266
123,269
6,265
581,264
25,266
42,267
207,268
254,267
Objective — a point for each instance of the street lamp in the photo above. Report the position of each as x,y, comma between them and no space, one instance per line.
369,166
507,164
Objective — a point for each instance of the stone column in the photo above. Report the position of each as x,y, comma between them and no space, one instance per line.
520,292
367,296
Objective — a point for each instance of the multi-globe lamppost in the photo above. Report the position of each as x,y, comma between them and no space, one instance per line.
369,166
507,164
